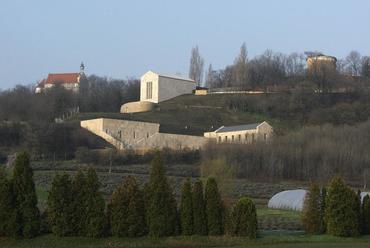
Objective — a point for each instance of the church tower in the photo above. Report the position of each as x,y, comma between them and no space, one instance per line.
82,69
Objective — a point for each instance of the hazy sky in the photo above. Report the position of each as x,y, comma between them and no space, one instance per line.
125,38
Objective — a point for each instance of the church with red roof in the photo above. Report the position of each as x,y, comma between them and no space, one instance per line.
70,81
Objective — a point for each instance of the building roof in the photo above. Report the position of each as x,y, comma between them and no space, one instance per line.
173,76
55,78
224,129
62,77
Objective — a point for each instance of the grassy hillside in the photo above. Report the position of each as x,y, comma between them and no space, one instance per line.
189,114
276,240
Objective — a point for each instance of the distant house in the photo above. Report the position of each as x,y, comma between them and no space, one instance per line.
242,134
157,87
201,91
70,81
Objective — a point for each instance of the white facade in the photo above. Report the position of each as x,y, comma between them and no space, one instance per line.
248,133
157,87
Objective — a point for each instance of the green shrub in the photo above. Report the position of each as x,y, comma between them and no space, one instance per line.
27,216
162,213
244,219
186,209
366,215
213,208
313,210
342,210
127,213
6,205
79,203
96,222
199,211
60,211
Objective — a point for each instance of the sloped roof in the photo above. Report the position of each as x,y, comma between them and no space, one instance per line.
173,76
237,128
66,78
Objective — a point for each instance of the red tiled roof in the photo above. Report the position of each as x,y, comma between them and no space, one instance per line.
66,78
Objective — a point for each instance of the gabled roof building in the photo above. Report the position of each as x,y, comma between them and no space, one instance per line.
248,133
70,81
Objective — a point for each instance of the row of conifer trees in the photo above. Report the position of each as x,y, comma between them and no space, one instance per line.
76,207
336,210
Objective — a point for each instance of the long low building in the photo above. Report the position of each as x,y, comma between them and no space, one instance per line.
248,133
141,136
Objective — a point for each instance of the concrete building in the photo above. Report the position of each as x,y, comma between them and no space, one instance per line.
242,134
70,81
140,136
144,136
315,60
157,87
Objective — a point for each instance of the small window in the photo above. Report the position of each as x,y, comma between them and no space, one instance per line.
134,135
120,134
246,137
232,138
219,139
147,135
265,136
225,138
252,136
239,137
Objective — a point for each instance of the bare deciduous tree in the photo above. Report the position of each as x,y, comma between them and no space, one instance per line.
209,76
294,65
240,69
365,66
353,61
196,66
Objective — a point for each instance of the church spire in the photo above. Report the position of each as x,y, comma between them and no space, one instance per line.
82,68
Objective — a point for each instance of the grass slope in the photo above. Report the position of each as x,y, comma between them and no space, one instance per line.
190,114
268,240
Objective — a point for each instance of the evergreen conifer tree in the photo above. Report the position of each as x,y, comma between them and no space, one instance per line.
79,203
214,208
60,211
6,205
186,209
199,212
322,209
244,219
27,215
366,215
96,223
342,211
312,216
161,205
127,212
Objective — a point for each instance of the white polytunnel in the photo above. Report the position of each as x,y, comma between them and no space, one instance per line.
288,200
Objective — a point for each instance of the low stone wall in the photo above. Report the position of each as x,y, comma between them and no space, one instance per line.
174,141
124,134
136,107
